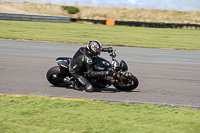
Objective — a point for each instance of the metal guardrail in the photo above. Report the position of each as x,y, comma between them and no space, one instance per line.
30,17
63,19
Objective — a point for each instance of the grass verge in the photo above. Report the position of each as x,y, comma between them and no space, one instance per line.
187,39
40,114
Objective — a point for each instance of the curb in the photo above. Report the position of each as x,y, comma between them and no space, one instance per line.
50,97
108,101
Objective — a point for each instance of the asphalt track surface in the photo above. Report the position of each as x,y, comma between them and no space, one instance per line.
166,76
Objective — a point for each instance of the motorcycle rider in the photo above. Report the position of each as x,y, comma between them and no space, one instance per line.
82,62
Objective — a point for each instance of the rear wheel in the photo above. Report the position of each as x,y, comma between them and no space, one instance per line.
55,77
130,83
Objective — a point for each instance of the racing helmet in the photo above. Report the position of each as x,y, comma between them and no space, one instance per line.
94,47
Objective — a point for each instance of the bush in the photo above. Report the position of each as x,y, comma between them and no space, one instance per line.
71,9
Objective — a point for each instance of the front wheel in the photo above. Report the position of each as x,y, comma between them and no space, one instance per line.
130,83
55,77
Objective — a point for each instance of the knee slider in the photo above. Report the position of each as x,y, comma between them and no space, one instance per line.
89,88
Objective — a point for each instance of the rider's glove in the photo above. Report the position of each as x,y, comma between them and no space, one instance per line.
108,49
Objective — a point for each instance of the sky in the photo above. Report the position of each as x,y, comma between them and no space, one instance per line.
180,5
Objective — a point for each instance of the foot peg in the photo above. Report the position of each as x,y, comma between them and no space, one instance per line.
67,80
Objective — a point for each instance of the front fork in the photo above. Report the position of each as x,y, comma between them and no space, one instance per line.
117,74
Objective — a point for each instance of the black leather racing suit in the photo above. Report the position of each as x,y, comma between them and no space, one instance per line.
82,62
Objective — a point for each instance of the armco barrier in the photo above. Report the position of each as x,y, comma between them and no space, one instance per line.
63,19
29,17
140,24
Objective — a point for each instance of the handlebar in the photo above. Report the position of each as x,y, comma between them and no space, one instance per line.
108,49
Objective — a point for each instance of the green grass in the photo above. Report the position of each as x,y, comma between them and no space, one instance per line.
39,114
188,39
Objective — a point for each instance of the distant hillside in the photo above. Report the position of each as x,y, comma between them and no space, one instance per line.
143,15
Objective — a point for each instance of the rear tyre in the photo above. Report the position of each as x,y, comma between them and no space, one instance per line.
55,77
130,83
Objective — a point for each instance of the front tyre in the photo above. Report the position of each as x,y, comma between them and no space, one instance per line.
130,83
55,77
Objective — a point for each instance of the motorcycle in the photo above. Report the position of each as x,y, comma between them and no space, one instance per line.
120,78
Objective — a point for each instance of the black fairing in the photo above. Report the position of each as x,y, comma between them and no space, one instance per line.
123,65
99,82
63,63
100,64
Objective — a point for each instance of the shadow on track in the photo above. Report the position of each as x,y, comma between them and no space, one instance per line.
101,90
